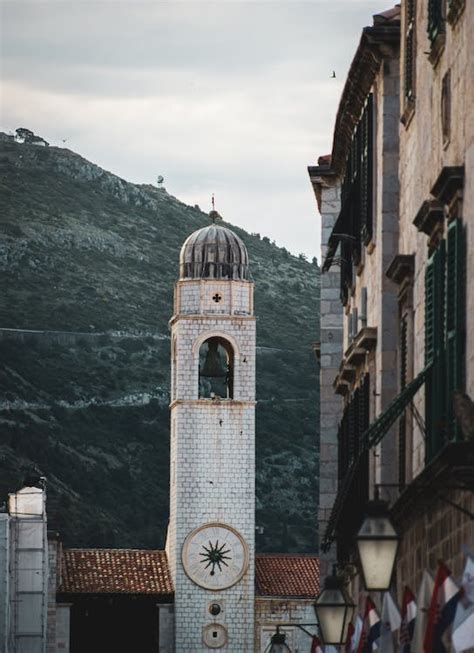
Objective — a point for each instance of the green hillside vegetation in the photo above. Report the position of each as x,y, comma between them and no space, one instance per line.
83,251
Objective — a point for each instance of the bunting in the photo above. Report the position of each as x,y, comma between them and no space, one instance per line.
390,623
463,626
407,627
442,609
423,605
370,636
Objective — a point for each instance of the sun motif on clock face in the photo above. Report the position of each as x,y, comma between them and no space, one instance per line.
215,556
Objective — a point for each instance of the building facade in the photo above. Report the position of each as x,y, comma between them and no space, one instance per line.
402,243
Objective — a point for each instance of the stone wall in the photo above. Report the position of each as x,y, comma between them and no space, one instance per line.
423,154
272,611
212,454
327,190
436,532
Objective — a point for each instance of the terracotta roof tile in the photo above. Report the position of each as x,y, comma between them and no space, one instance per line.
286,575
142,571
115,571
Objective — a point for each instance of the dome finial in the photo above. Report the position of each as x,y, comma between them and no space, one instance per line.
214,215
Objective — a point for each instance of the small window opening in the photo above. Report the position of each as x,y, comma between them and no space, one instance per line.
214,634
216,369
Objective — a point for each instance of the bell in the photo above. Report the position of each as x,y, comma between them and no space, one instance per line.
214,366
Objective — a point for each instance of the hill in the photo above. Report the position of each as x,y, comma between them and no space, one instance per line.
88,262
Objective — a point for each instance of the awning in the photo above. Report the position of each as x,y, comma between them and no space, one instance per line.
372,436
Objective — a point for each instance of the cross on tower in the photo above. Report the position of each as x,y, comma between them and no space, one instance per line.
217,298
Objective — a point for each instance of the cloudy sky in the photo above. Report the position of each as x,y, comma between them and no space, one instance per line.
235,98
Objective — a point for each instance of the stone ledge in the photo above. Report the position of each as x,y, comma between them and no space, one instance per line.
364,342
429,215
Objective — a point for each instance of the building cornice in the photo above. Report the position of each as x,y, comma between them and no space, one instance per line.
380,41
214,403
401,268
211,317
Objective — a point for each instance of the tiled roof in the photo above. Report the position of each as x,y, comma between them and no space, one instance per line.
115,571
142,571
286,575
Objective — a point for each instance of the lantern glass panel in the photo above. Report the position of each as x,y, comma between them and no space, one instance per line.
377,542
334,612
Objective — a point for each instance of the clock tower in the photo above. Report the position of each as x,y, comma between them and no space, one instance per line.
210,542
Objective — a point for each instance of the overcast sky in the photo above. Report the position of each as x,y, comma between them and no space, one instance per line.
235,98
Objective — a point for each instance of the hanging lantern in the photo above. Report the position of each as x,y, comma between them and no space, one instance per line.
377,544
334,609
278,643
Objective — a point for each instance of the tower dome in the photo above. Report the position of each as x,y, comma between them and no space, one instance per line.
213,252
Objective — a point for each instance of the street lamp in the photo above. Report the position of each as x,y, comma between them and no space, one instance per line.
278,643
334,609
377,544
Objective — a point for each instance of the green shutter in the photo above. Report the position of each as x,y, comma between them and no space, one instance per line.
366,157
429,311
435,397
409,85
403,375
455,318
435,19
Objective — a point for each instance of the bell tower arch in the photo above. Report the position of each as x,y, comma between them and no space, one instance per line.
210,542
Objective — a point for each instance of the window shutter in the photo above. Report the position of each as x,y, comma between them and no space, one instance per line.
435,19
429,311
435,351
455,317
366,171
403,371
410,50
352,426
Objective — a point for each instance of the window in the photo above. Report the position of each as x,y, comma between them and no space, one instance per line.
444,336
353,426
354,224
410,51
455,317
446,108
435,19
216,369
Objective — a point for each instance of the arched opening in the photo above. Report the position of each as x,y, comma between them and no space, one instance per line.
216,369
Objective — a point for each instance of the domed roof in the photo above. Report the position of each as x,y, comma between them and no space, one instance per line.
213,252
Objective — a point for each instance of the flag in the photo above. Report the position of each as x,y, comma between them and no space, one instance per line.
370,636
390,623
463,626
350,634
442,609
423,604
407,627
316,646
356,635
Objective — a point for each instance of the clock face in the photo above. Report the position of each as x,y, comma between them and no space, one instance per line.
215,556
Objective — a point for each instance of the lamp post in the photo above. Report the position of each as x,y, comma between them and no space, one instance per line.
334,609
377,544
278,643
